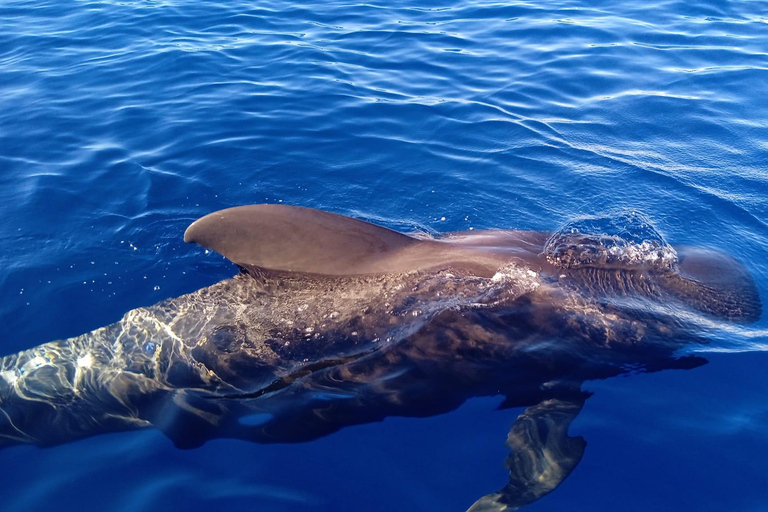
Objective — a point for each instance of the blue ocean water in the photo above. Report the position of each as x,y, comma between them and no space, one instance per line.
122,122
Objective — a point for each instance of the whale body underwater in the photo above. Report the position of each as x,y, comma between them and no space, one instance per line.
333,321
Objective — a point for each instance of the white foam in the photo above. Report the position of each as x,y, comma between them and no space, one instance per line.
10,376
85,361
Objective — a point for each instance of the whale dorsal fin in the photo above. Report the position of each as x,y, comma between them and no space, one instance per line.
296,239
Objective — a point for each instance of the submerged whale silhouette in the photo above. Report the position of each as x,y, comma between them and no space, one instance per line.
333,322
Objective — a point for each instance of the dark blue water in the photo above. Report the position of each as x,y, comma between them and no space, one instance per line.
122,122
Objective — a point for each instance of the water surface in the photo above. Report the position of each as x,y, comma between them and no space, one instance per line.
121,122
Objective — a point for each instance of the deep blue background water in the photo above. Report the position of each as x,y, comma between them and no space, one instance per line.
121,122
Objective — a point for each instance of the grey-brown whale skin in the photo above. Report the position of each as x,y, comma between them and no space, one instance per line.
334,322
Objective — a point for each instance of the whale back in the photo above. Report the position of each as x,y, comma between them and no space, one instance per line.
295,239
595,261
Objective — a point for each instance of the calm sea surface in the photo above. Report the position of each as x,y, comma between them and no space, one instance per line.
122,122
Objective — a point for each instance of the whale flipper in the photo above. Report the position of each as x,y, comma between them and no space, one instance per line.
296,239
542,454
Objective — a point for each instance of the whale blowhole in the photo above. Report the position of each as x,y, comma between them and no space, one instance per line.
627,239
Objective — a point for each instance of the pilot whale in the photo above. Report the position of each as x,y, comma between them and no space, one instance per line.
333,321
